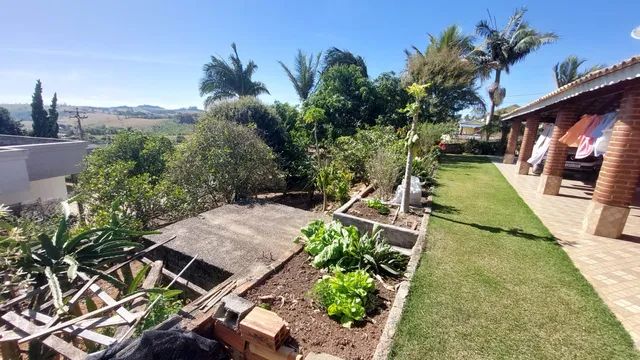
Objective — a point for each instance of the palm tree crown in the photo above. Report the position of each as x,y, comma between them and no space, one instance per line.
335,56
569,70
306,69
223,80
502,48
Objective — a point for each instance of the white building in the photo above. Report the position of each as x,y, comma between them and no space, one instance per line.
34,168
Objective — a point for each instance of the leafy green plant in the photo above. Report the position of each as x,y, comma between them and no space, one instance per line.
56,260
168,304
345,296
342,248
334,181
378,205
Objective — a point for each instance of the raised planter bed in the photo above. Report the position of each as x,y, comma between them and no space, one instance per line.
404,233
312,330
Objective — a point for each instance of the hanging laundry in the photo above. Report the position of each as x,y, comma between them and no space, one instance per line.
605,130
542,145
572,137
585,148
607,122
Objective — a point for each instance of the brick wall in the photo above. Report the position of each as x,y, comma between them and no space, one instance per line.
513,137
528,138
557,154
621,167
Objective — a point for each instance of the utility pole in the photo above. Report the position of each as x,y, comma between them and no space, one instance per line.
79,118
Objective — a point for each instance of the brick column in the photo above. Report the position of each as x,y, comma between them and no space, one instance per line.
528,140
512,141
608,211
551,177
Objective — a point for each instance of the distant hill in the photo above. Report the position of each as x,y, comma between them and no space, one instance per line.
22,112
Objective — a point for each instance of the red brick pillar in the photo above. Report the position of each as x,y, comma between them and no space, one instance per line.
528,140
551,177
608,211
512,141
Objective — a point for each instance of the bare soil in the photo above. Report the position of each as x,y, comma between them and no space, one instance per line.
410,220
311,328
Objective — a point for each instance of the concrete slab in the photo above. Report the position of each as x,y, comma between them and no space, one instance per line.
237,238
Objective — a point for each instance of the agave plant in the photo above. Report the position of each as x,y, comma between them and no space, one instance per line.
60,258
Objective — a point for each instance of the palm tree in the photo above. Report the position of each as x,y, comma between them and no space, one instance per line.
306,70
568,70
503,48
335,56
223,80
450,37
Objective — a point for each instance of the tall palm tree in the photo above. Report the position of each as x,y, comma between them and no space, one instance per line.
569,70
451,37
335,56
305,77
502,48
223,80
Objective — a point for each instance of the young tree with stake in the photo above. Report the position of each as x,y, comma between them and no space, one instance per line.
418,92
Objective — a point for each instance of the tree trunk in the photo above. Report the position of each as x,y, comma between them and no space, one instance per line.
404,205
496,85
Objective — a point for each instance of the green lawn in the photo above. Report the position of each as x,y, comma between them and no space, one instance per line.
492,283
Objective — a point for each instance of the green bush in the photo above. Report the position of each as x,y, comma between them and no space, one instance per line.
430,134
334,181
356,151
384,170
473,146
221,162
130,171
346,296
341,247
250,111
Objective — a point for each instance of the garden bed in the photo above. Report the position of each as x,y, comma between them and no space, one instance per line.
311,328
410,220
356,212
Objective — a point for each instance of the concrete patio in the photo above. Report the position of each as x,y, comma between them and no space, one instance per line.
612,266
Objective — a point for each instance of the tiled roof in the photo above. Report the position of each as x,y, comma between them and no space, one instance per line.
625,70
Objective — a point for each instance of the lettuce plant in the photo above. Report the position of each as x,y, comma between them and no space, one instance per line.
343,248
345,296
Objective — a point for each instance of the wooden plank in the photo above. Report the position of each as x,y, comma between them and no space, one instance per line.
115,267
126,315
58,327
24,328
74,330
182,281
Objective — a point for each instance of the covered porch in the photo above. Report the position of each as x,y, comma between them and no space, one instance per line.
613,89
612,266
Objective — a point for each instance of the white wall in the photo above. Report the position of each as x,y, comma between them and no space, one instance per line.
46,189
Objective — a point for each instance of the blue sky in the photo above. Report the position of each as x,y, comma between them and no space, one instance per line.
108,53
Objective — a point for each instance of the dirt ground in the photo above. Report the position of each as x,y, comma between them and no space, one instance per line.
410,221
311,327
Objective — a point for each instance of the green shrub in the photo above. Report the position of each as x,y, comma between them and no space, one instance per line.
130,171
250,111
430,134
356,151
343,248
221,162
345,296
334,181
473,146
378,205
168,305
384,170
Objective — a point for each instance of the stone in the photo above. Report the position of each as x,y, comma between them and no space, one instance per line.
605,220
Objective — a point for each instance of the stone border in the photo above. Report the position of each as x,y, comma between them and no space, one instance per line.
395,314
395,235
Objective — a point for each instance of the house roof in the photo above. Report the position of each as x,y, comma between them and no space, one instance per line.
624,71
